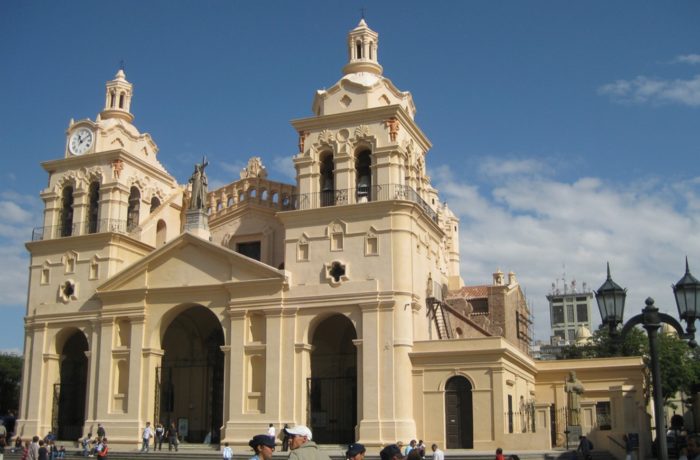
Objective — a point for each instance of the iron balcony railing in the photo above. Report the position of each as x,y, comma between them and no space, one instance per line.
362,195
80,228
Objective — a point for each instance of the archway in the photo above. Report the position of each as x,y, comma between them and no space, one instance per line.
332,388
459,423
190,387
70,393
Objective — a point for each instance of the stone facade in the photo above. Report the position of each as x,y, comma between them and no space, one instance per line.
334,302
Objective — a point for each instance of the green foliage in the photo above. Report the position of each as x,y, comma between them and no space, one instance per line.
680,365
603,345
10,375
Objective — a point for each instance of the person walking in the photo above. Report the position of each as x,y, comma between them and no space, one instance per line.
146,436
263,446
585,447
102,454
160,434
355,451
227,452
301,445
285,438
437,453
173,437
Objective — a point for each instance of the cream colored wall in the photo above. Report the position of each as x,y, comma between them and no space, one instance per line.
495,369
619,381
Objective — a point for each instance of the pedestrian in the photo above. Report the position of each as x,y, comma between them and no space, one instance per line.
285,438
629,450
355,452
271,431
43,452
301,445
263,446
102,454
173,437
227,452
693,448
585,447
437,453
160,434
34,449
499,454
391,452
147,435
421,448
411,445
101,433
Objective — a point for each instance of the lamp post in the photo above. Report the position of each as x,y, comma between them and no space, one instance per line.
611,303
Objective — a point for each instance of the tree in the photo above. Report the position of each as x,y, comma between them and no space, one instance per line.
10,375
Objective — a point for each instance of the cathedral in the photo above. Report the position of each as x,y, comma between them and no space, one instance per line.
334,302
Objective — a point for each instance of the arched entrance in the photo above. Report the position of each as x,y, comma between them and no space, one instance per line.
69,394
332,388
459,423
190,383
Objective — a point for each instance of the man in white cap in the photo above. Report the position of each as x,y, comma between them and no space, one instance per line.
301,445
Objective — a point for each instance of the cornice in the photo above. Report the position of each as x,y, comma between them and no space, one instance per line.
364,116
102,158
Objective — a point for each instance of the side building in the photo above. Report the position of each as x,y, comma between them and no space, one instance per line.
569,313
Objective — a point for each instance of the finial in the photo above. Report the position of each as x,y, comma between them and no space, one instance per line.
687,270
362,12
608,270
122,65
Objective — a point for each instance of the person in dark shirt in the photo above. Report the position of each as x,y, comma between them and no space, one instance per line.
43,451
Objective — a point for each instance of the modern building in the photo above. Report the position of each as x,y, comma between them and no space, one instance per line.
335,301
570,313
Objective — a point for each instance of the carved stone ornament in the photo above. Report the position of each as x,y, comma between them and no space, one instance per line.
393,125
254,168
362,131
325,137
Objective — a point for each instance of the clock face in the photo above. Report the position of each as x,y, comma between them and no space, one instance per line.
80,141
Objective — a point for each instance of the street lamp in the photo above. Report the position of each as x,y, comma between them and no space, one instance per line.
611,303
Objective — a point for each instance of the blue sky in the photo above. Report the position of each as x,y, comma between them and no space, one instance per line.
565,134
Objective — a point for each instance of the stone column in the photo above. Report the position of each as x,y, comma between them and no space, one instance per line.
226,349
302,361
236,384
498,412
273,386
368,376
91,388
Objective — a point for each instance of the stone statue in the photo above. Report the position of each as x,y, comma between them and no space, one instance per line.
574,389
199,185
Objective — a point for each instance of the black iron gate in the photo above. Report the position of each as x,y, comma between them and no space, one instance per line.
332,409
68,410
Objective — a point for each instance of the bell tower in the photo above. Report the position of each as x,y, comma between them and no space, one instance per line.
363,44
118,98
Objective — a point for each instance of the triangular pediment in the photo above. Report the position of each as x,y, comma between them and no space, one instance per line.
189,261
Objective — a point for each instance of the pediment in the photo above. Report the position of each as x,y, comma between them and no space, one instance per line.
189,261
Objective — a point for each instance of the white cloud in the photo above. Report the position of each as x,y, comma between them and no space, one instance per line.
497,167
283,166
643,90
535,226
688,59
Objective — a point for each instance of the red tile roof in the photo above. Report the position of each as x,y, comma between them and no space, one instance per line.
473,292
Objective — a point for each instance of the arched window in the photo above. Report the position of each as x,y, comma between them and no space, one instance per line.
363,176
155,202
327,182
132,214
121,100
112,100
229,202
358,49
371,45
67,212
94,209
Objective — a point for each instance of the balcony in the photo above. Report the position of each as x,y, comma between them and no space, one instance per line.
360,195
80,228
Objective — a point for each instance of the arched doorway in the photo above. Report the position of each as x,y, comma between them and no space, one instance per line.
69,394
459,423
332,388
190,381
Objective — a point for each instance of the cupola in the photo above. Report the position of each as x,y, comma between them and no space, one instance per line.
118,98
363,45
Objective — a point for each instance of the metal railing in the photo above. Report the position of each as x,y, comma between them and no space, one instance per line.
80,228
358,195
